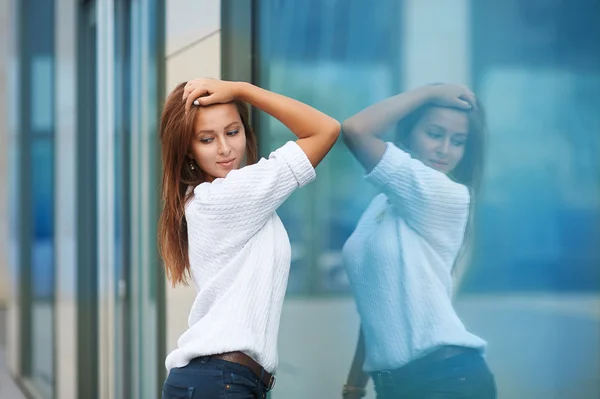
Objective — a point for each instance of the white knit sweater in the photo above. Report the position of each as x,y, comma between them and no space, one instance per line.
239,256
399,262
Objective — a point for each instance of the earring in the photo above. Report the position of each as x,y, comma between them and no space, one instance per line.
192,167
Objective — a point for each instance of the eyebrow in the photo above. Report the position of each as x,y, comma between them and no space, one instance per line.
438,127
226,127
434,125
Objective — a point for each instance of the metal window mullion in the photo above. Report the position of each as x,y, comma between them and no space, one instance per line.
25,200
135,198
105,187
144,179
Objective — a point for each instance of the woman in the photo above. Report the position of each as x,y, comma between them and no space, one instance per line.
219,228
401,255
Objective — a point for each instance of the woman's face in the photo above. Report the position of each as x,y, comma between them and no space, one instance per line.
439,138
219,142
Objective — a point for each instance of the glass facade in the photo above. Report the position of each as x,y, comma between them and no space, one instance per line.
532,277
539,215
538,219
110,283
315,52
147,281
37,108
122,198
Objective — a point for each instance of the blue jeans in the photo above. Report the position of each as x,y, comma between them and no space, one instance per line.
210,378
463,376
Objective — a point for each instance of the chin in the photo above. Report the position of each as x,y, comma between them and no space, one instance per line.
224,174
210,176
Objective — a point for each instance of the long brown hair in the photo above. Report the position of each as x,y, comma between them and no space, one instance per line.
468,172
176,134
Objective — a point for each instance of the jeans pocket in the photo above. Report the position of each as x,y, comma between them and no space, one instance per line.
240,384
171,391
461,382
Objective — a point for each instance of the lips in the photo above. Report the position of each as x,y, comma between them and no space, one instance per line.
226,164
439,164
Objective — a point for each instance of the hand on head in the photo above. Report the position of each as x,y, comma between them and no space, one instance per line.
452,95
207,91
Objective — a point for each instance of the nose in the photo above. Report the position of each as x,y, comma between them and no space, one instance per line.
224,147
443,149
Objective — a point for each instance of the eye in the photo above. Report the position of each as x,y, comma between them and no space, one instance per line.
459,143
434,135
233,132
206,140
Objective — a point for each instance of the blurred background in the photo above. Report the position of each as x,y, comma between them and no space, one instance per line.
85,311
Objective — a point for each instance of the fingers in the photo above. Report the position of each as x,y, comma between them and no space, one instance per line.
462,104
207,99
195,95
199,92
456,95
204,100
470,98
189,87
466,99
193,85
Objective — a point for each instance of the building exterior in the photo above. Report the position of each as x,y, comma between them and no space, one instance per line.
84,84
90,314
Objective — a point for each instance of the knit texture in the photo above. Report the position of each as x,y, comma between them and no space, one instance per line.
240,256
399,262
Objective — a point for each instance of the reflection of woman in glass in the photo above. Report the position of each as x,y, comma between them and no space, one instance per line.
219,227
401,255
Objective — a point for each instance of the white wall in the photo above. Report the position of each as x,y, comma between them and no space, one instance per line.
193,41
436,43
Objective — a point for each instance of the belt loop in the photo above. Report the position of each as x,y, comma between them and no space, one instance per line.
204,359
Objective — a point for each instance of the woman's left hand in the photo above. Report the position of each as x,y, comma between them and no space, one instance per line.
207,91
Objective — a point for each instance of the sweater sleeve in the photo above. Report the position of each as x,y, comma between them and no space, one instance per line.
430,202
247,197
